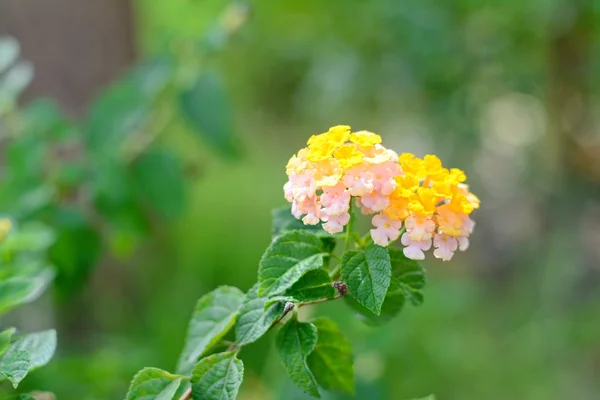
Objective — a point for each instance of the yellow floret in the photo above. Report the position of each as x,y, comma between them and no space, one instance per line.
461,204
365,138
320,151
322,146
338,135
456,176
412,165
348,156
434,169
423,202
442,189
448,221
406,185
398,208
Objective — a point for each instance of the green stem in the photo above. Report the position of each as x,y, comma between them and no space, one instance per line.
334,274
187,394
308,303
402,231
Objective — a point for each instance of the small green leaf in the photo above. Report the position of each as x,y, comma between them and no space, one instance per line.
24,397
206,107
153,384
40,347
392,305
31,236
295,341
116,114
367,273
284,221
430,397
313,285
28,352
152,75
14,365
287,258
75,252
5,337
408,278
217,377
213,317
46,121
15,80
254,321
16,291
331,360
158,178
9,51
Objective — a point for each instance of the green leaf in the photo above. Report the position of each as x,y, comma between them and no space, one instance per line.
284,221
206,107
75,252
32,236
28,352
23,397
313,285
331,360
254,321
153,384
408,278
287,258
295,341
26,155
213,317
5,337
430,397
158,178
217,377
391,307
9,51
120,111
16,291
40,347
367,273
152,75
14,365
46,121
15,80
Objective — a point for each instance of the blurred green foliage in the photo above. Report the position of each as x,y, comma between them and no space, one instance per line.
506,91
24,275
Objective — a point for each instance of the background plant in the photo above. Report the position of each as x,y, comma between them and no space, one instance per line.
301,267
487,87
24,275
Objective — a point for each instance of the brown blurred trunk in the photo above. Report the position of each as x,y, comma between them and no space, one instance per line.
566,161
77,46
569,100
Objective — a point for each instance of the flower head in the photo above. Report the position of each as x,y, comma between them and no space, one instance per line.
432,203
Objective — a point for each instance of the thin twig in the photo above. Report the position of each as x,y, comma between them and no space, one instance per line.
336,271
308,303
187,394
288,307
232,346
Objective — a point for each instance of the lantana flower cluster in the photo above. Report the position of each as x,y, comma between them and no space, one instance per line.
427,203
